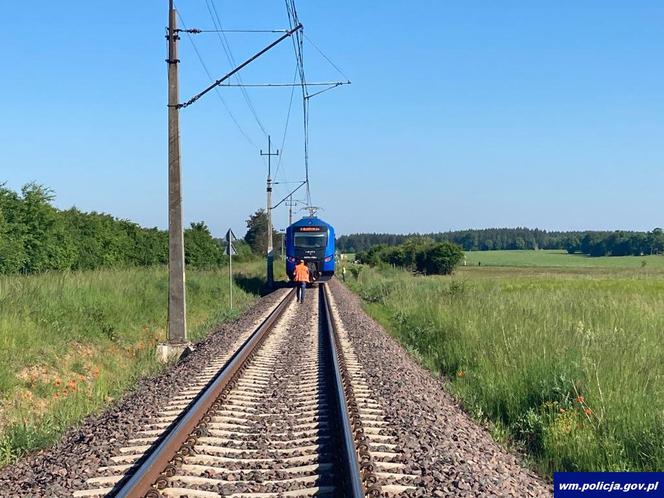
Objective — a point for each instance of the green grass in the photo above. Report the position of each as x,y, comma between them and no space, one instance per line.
71,342
567,366
561,259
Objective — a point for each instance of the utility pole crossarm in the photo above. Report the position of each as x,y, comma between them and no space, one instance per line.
238,68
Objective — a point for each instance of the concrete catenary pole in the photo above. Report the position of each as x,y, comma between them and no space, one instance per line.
177,323
283,237
290,210
270,243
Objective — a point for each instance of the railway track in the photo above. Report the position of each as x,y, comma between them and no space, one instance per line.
288,414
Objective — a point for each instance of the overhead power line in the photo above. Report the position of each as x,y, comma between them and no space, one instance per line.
209,75
216,20
283,140
197,31
317,83
326,57
299,56
218,82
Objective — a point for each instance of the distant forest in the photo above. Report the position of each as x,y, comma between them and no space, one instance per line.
592,243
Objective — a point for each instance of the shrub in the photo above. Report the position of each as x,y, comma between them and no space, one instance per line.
417,254
438,259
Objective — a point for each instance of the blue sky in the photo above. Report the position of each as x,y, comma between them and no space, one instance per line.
461,114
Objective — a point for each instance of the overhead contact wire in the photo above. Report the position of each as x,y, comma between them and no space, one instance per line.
283,139
216,20
209,75
298,48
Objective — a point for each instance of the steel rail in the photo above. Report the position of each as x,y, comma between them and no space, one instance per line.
351,471
150,470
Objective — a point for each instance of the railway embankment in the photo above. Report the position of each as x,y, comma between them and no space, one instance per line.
564,364
71,342
58,470
273,429
453,455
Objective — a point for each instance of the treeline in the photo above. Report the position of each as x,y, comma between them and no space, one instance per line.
419,254
618,243
487,239
595,243
36,237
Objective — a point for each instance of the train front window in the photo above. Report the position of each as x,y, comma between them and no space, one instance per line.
310,240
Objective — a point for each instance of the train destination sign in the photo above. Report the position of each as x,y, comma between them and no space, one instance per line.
308,229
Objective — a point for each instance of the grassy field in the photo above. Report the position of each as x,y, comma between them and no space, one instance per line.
560,259
70,342
569,366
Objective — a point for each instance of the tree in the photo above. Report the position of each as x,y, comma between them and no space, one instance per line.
47,244
439,259
200,249
37,237
12,252
656,241
256,235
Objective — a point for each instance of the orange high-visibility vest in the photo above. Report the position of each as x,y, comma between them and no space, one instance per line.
301,273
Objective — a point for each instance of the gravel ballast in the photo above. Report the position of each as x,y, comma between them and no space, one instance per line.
454,455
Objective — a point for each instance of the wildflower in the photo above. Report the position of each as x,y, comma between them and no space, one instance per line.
56,395
461,373
588,411
82,378
580,399
57,382
71,385
562,410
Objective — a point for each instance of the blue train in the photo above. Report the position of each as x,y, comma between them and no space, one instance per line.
312,240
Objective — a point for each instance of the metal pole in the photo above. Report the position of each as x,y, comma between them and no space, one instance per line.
177,325
230,273
270,248
290,210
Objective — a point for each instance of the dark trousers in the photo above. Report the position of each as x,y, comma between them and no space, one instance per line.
300,290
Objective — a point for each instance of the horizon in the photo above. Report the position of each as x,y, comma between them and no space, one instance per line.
423,233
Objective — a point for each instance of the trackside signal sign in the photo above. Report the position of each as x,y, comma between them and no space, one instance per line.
230,248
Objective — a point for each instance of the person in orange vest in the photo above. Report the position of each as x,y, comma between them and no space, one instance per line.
301,277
